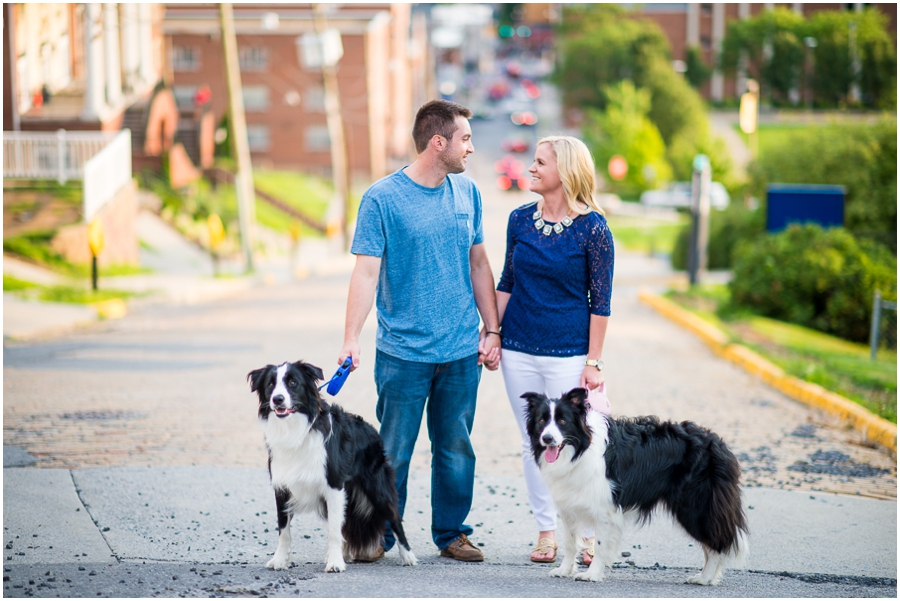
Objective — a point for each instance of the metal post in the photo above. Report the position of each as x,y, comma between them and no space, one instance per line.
243,180
875,328
700,184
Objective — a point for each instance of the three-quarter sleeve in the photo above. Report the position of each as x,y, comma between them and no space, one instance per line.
600,260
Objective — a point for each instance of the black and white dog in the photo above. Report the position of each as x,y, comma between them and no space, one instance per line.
600,469
325,460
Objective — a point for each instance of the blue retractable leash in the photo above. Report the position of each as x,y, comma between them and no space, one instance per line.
339,377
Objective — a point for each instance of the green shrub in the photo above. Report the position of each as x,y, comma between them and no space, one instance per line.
862,157
726,229
823,279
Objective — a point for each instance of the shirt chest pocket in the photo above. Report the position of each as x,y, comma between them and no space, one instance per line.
465,232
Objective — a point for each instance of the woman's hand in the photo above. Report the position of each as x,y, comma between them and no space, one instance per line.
489,350
591,378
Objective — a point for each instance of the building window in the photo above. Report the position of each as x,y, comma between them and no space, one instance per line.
256,98
258,138
317,139
185,58
314,99
254,58
184,97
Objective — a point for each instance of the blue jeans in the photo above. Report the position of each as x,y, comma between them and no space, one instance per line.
450,389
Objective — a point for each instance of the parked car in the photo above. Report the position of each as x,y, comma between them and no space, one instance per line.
514,145
678,194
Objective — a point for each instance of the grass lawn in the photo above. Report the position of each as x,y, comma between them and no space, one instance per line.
776,135
60,294
645,235
835,364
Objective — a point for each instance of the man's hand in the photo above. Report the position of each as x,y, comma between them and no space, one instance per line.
351,349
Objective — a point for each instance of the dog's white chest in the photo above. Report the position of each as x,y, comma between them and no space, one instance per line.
299,467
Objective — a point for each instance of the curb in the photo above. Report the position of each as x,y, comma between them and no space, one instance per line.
871,426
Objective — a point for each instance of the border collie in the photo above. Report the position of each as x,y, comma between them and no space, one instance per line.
599,468
325,460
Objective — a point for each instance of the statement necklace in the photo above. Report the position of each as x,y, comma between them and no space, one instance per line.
546,228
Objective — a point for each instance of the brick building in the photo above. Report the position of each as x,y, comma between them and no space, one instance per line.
381,77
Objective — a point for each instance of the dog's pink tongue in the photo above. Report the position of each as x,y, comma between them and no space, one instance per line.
551,454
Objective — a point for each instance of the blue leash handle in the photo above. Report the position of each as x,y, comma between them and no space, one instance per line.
340,376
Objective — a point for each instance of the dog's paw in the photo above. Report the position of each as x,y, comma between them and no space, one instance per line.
408,558
279,562
560,572
700,580
335,566
589,576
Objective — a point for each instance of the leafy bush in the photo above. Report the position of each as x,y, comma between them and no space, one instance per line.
823,279
861,157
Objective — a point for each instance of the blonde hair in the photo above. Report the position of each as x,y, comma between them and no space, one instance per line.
576,171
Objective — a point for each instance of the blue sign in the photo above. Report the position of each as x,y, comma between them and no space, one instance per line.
804,203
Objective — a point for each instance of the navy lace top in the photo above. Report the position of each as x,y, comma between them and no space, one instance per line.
555,282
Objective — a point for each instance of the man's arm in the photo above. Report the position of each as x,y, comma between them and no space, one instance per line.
363,283
486,301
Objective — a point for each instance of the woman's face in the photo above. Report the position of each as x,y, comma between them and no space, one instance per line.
544,171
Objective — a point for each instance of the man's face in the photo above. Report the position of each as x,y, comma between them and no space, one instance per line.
458,148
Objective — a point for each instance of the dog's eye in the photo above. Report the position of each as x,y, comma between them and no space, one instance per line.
292,383
270,385
562,422
542,421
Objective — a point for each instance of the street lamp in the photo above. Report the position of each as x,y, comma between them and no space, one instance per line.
810,43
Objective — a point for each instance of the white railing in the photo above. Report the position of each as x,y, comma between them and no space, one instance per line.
101,160
59,155
106,172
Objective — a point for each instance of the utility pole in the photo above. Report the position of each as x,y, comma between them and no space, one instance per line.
243,179
339,163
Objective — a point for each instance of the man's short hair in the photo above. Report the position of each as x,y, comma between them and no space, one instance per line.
436,117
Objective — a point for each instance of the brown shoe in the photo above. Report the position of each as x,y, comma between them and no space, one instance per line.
462,549
370,557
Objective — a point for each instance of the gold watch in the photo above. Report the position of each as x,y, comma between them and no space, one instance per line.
598,363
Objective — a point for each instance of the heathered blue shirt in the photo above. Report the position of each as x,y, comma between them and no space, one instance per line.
555,283
425,303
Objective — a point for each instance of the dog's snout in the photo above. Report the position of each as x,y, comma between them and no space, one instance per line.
278,399
547,439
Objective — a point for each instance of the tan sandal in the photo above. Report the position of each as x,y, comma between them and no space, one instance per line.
587,553
544,546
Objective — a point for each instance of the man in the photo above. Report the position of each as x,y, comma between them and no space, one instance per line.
419,245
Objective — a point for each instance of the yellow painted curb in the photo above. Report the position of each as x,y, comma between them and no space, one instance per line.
871,426
113,308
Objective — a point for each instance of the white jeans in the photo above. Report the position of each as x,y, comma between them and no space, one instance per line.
552,376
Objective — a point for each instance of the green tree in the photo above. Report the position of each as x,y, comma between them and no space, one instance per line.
698,72
600,45
773,44
624,129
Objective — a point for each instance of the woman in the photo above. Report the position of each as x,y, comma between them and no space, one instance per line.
553,298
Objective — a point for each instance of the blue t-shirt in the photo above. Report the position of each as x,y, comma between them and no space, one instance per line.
555,283
425,303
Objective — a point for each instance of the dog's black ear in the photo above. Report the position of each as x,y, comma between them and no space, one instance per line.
256,377
310,369
533,398
577,396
